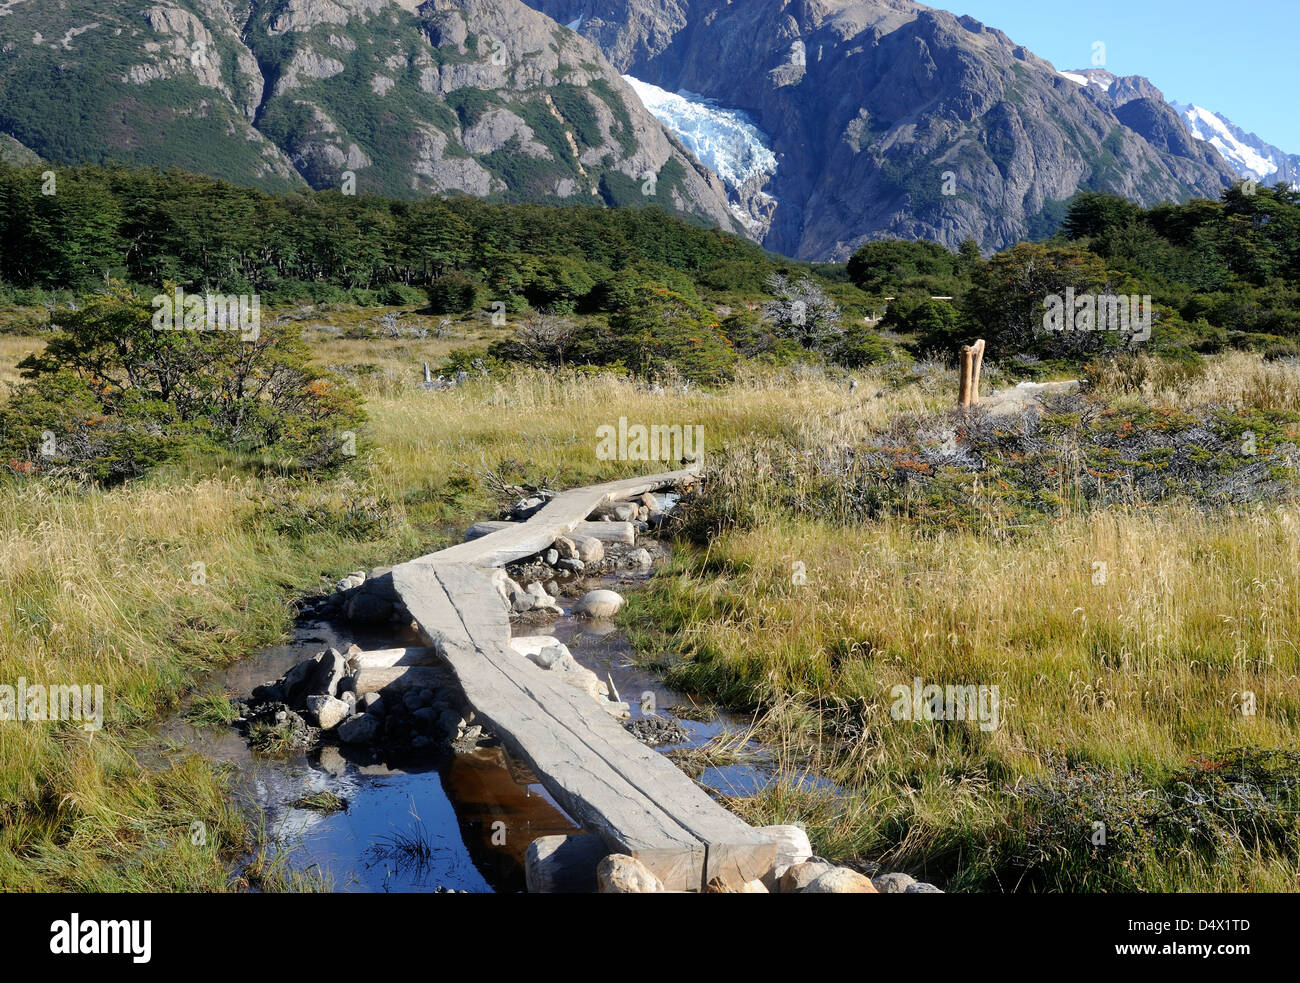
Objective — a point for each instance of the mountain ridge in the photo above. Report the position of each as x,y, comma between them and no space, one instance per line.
396,96
870,103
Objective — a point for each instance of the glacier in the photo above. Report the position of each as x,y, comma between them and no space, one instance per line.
722,139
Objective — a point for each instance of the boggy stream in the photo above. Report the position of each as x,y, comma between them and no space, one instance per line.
442,821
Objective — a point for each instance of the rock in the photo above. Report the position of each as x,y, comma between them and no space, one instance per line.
566,547
329,712
526,507
840,880
324,679
718,886
799,876
642,558
563,864
452,723
268,693
573,566
550,655
599,604
359,729
621,874
355,579
520,600
921,887
332,761
413,701
372,703
294,684
367,609
650,502
892,883
792,847
541,600
590,550
657,730
552,557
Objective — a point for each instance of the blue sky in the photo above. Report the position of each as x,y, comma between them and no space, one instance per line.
1238,59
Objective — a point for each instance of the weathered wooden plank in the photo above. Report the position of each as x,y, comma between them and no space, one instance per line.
558,518
582,781
388,658
638,801
399,679
606,532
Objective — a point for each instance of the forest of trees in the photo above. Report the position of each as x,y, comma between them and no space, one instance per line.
633,290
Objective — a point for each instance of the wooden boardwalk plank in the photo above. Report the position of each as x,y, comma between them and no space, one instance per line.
557,518
632,796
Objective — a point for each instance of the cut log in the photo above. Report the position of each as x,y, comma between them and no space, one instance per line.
606,532
399,679
977,360
388,658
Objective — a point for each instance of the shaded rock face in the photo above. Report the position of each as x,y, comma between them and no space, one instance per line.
400,97
890,119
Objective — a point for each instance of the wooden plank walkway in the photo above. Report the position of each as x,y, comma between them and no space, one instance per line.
557,518
632,796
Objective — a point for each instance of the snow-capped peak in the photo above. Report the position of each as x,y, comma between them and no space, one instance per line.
1218,131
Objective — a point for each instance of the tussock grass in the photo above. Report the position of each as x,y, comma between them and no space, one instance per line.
1126,641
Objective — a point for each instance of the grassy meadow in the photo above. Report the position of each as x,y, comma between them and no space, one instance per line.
1111,689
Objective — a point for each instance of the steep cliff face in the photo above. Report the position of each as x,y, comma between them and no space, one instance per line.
892,119
486,97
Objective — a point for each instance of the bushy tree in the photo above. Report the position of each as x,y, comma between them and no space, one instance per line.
252,392
1005,302
659,328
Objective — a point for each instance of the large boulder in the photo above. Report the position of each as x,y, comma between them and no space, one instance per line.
590,549
359,729
329,712
599,604
621,874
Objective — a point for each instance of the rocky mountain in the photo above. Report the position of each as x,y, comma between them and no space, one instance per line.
1247,154
887,118
402,97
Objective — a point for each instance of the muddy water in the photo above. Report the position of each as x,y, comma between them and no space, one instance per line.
450,822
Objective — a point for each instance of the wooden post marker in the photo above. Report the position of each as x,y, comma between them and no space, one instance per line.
972,359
